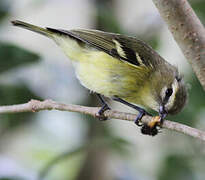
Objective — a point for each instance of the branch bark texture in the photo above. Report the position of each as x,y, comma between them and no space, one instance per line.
188,32
35,106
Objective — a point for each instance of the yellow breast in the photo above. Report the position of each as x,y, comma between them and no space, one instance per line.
104,74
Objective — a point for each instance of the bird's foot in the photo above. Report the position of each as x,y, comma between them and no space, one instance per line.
138,121
151,128
100,114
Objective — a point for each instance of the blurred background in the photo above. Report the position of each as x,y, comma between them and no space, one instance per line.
54,145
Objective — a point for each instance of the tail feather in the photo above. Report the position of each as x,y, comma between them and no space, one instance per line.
31,27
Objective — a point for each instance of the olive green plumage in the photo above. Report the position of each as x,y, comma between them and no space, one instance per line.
116,65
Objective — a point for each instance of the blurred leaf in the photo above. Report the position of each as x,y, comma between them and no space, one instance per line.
105,17
11,178
153,41
119,145
199,8
12,56
176,167
15,94
4,9
106,21
62,157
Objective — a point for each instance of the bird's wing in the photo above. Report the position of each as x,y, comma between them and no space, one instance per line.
125,48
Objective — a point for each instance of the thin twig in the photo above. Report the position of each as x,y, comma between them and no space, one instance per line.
188,32
35,106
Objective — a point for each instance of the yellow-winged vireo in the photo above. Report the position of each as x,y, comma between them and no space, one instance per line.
122,68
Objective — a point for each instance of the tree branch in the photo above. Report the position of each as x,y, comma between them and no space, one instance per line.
35,106
188,32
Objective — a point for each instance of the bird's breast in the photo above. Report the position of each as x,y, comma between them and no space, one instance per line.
109,76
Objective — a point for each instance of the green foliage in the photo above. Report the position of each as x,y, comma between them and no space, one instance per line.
153,41
15,94
12,56
107,22
4,9
119,145
199,8
105,17
58,159
11,178
176,167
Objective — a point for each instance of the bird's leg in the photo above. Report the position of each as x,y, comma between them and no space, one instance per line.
105,107
148,129
141,111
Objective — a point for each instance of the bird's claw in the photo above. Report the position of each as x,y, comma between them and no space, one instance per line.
139,117
100,114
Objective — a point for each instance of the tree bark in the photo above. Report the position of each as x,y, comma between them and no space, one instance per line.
188,32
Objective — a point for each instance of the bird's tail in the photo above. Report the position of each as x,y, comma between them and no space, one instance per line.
34,28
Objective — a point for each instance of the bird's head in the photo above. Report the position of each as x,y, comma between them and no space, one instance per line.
172,96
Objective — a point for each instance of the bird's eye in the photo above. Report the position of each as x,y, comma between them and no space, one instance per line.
169,92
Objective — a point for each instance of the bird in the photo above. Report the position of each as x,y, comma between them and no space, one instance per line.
122,68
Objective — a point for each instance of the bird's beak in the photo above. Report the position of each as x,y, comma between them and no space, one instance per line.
162,112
